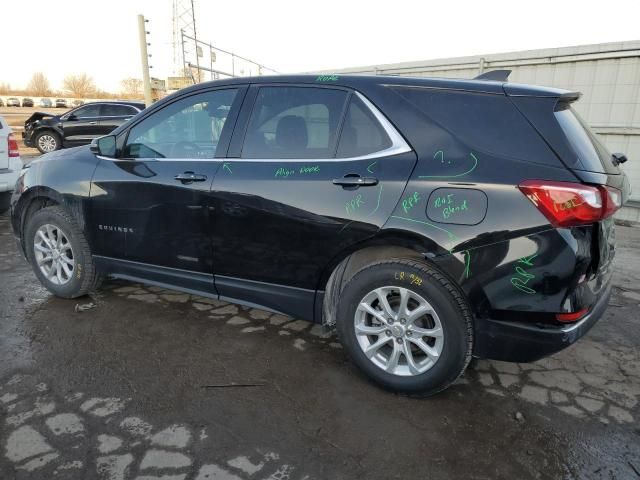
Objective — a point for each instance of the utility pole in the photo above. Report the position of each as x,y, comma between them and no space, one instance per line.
144,58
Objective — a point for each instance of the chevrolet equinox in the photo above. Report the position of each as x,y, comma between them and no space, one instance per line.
428,220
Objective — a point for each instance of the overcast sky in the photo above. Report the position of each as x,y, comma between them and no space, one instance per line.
100,37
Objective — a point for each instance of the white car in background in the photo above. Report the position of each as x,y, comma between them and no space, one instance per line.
10,164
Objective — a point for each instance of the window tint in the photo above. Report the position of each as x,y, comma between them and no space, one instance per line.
187,128
484,122
361,132
294,122
110,110
87,111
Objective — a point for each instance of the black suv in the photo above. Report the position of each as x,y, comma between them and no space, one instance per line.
48,132
429,220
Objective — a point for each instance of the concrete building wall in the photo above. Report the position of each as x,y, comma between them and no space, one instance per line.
608,75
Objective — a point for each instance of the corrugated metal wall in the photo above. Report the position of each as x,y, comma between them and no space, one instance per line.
608,75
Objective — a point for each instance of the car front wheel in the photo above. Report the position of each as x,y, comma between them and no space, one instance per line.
59,253
47,142
406,326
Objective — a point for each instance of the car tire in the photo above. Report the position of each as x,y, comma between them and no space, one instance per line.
392,334
47,141
52,233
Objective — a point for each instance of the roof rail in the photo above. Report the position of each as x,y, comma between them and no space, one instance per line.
494,75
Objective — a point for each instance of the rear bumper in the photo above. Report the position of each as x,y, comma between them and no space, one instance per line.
521,342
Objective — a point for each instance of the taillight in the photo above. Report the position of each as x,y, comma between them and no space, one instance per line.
572,316
567,204
13,146
613,200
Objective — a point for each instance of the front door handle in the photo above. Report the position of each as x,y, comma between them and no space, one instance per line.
188,177
93,123
355,181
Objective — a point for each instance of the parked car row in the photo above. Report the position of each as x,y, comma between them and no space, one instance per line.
44,102
48,132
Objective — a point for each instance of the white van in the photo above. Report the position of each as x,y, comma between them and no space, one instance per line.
10,164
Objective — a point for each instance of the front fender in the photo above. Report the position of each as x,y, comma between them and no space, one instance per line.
61,178
53,128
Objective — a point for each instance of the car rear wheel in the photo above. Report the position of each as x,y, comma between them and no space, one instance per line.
406,326
47,142
59,253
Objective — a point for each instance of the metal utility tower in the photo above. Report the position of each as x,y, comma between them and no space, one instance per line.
184,21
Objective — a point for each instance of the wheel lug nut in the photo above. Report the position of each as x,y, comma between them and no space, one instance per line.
390,321
399,340
403,321
409,333
388,332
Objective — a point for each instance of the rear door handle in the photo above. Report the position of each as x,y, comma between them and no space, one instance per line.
355,181
188,177
93,123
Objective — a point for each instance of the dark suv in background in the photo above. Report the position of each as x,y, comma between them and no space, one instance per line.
48,132
429,220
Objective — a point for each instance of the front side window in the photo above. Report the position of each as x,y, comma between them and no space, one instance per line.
110,110
188,128
88,111
294,122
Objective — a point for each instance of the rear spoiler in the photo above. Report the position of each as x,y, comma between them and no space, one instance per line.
494,76
569,97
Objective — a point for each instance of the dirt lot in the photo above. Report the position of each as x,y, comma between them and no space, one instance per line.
152,384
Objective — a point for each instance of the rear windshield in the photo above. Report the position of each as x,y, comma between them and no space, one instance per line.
594,156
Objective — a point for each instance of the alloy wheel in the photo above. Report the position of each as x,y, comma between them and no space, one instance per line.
47,143
54,254
398,331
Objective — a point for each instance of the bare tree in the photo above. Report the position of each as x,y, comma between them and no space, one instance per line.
39,85
131,88
79,85
5,88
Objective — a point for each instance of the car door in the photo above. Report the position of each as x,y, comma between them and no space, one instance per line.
80,126
112,115
312,171
150,206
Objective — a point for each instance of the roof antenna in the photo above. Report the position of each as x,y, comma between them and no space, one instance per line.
494,75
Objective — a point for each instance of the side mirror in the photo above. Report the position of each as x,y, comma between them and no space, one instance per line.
105,146
71,117
618,158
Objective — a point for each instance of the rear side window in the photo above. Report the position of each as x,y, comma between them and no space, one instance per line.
294,122
487,123
361,132
109,110
591,152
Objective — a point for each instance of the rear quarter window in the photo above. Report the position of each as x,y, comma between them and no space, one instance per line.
487,123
